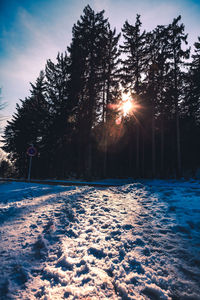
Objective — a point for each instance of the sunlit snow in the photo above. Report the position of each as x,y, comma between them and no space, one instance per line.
136,241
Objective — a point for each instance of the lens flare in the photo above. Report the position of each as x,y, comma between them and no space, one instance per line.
126,107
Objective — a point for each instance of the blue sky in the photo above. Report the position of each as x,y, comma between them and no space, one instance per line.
31,31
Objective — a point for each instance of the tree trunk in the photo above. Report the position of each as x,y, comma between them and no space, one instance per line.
143,155
107,101
89,158
80,157
178,144
137,129
178,147
153,146
162,146
105,154
91,107
137,150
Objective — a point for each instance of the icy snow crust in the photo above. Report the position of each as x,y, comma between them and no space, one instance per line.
137,241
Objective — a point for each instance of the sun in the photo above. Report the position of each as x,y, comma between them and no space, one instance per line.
127,105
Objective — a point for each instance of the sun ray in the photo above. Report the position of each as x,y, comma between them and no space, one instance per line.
127,105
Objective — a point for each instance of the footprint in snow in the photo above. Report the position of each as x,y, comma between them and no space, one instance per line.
98,253
82,270
105,209
105,226
136,266
127,226
64,264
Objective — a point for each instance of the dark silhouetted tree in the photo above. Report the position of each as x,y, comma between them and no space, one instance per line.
177,38
27,126
132,70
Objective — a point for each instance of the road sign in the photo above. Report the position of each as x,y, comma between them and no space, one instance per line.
31,151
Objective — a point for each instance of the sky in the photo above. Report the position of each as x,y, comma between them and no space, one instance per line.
32,31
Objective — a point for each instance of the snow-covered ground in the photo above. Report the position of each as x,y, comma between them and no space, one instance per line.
136,241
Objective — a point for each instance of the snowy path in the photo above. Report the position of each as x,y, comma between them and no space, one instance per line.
139,241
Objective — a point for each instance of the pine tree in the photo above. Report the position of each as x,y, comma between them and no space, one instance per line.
193,95
110,88
191,113
6,169
133,67
86,56
26,127
157,71
152,44
68,116
58,131
176,38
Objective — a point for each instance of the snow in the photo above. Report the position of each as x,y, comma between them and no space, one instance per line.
136,240
97,183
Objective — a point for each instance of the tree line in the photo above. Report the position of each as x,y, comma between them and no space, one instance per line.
70,115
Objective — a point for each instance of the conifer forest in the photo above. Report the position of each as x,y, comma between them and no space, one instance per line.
75,116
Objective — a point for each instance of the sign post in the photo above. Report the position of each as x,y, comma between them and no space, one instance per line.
31,151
